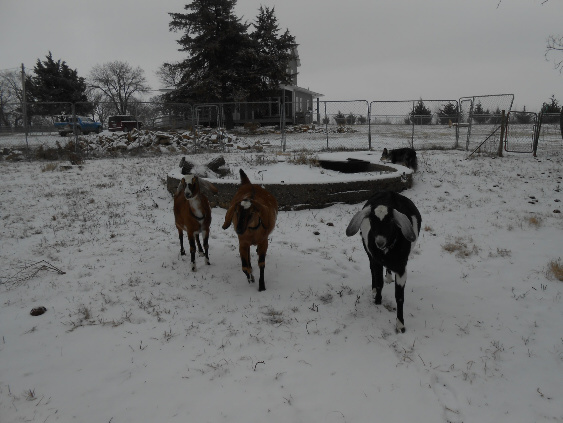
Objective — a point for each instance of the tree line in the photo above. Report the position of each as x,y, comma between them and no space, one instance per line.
227,60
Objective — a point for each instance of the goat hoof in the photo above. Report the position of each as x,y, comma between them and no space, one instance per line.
378,300
207,262
182,252
400,327
193,267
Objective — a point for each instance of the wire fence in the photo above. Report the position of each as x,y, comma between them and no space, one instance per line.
470,123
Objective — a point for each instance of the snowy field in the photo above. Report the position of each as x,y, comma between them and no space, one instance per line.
131,334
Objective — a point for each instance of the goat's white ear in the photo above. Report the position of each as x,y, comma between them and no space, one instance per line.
405,224
356,221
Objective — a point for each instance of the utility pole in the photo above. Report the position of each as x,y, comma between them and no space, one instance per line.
24,106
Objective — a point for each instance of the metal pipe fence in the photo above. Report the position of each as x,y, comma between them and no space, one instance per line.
465,124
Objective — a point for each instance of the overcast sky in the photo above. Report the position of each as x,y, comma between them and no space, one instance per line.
349,49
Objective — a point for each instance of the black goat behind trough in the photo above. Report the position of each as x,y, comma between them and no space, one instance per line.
389,224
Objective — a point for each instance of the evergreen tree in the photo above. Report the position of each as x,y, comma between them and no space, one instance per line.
480,115
551,109
219,52
421,115
225,63
273,51
523,118
53,82
447,114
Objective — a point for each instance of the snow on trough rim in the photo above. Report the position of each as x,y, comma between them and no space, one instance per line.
131,334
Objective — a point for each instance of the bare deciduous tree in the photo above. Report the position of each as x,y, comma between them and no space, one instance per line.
555,46
119,82
10,98
169,75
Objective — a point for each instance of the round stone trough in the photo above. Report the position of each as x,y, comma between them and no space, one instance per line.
344,177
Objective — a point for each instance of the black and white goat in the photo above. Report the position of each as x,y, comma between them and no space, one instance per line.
389,224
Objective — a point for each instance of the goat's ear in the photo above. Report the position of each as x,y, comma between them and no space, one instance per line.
405,224
208,185
181,186
243,178
356,221
267,214
229,216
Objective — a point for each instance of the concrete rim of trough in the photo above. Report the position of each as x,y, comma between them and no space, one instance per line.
317,194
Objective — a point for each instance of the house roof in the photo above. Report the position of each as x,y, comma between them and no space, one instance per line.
295,88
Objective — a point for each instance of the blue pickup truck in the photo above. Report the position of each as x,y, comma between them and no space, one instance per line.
66,124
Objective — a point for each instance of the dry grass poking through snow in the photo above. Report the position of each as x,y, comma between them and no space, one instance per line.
461,247
556,269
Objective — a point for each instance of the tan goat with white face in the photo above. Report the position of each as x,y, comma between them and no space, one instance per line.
192,214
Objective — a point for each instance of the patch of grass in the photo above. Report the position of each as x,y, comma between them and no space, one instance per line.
303,158
461,247
534,221
556,269
49,167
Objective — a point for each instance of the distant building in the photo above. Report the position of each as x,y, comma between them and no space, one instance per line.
300,99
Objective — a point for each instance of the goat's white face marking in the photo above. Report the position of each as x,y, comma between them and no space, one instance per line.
380,212
245,204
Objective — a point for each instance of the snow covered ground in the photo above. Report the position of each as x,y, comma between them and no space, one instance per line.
131,334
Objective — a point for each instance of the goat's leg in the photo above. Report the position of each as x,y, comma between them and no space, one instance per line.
376,279
388,276
400,281
206,246
181,236
244,250
199,247
261,251
191,239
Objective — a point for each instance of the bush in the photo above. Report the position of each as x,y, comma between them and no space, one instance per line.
421,115
551,108
350,119
340,118
480,115
448,113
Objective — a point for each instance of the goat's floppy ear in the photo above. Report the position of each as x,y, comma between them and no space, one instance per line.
243,178
356,221
267,215
229,216
405,224
208,185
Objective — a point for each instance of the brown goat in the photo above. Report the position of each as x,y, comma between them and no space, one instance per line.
193,215
253,212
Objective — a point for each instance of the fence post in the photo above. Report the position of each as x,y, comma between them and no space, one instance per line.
24,111
412,119
502,126
537,133
369,126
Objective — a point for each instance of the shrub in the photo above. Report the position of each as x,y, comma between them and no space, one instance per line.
448,113
421,115
340,118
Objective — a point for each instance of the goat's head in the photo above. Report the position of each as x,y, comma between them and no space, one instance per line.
245,214
189,185
248,210
385,223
